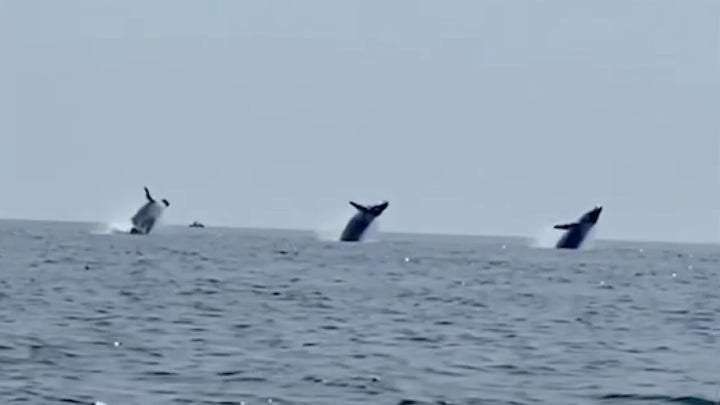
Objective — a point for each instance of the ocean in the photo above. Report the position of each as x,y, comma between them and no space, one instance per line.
240,316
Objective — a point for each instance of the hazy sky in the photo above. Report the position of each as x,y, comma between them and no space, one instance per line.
476,116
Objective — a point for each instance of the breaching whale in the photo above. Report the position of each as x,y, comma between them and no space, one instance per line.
578,231
146,217
359,223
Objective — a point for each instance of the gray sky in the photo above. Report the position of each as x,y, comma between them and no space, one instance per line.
483,117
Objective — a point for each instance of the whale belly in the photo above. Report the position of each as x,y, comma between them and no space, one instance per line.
146,218
355,229
573,238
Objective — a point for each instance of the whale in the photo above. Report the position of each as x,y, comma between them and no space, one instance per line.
576,232
359,223
147,216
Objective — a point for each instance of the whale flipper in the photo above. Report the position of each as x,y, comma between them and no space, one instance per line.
566,226
359,207
148,196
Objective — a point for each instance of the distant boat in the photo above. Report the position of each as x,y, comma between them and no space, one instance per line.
196,224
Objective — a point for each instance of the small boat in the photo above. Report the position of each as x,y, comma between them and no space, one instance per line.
196,224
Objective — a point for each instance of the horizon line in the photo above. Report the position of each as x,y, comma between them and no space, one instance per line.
389,232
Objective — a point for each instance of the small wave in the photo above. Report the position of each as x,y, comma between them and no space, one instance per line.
689,400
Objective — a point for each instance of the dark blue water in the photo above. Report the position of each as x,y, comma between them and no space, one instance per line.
222,316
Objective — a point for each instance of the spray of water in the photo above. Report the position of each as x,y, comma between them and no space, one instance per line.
118,221
545,238
589,243
372,233
116,225
330,229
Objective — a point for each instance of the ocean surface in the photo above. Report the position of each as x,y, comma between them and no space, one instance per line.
233,316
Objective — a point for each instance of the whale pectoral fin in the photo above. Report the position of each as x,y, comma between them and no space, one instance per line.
565,226
359,207
148,196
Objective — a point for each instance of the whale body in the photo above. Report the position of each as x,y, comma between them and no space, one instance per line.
578,231
147,216
359,223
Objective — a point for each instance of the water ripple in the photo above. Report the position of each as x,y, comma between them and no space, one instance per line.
276,317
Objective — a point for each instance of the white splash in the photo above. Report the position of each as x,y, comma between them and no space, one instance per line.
545,238
331,229
589,243
120,222
372,233
110,228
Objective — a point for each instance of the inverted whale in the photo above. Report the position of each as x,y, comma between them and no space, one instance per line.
146,217
578,231
359,223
